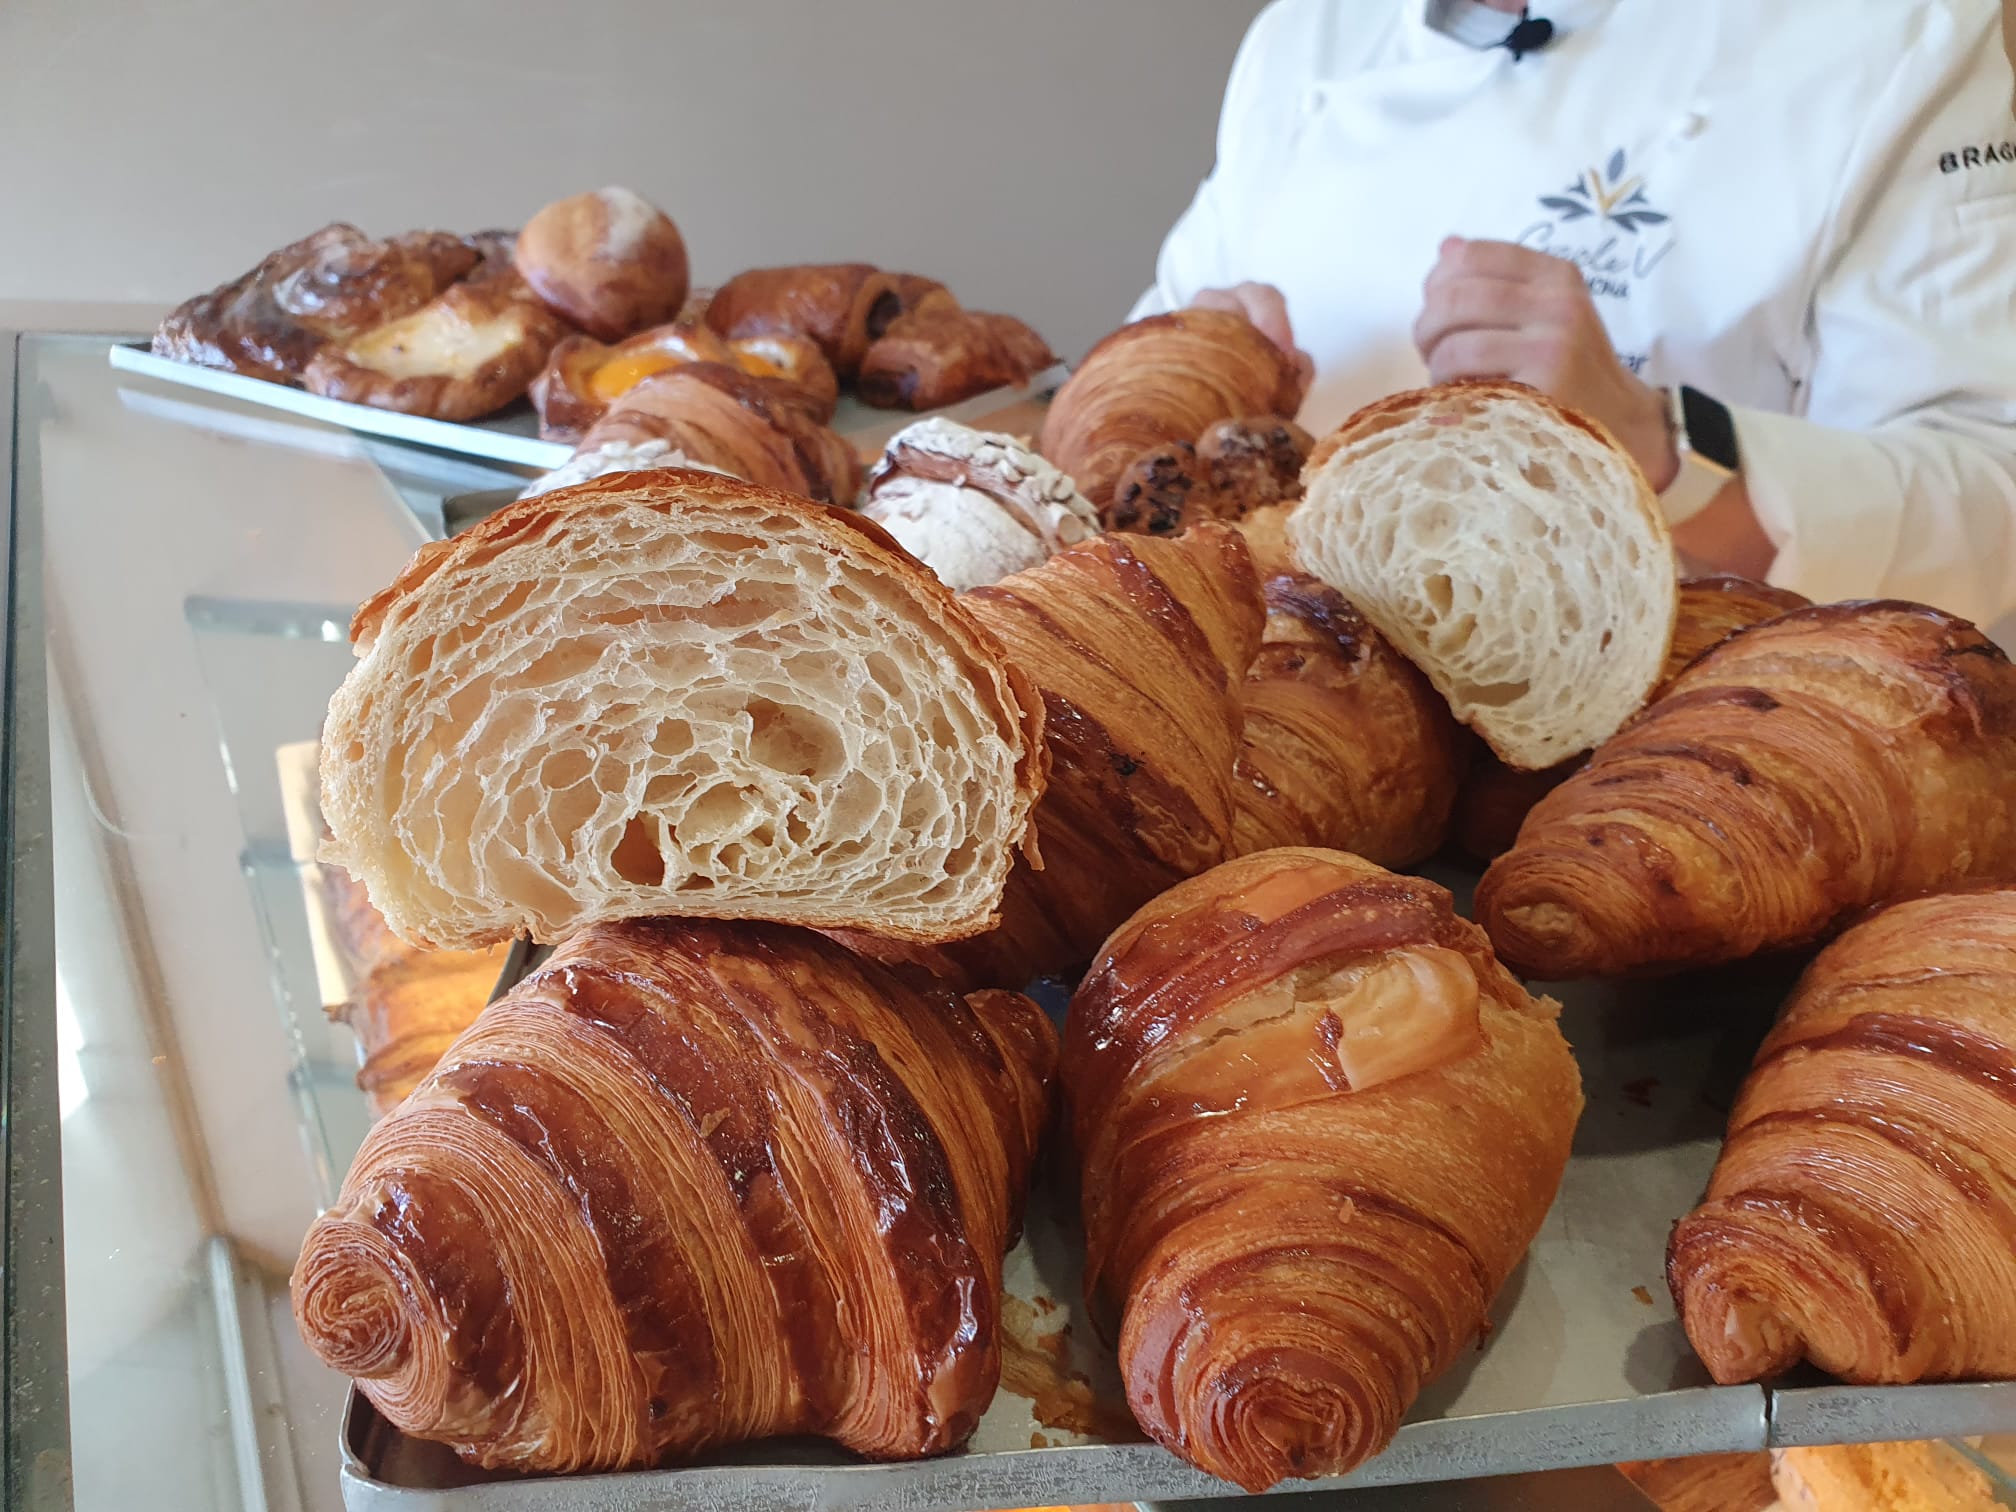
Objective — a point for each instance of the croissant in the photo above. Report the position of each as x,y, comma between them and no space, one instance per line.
842,306
1160,380
1496,798
1318,1125
670,690
583,377
1829,759
942,354
689,1184
1346,745
1861,1215
756,429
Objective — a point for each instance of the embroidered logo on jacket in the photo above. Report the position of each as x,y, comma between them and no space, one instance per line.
1611,192
1987,155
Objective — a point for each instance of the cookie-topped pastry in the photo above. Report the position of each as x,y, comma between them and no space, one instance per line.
329,286
974,506
609,261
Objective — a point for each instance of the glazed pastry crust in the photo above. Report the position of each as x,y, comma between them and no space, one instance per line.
842,306
942,354
607,261
584,377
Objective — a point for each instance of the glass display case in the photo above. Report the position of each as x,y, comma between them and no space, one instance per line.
180,574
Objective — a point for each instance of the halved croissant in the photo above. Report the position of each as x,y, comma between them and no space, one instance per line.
670,690
1495,798
1160,380
1318,1124
689,1184
1829,759
756,429
1863,1212
583,377
1345,744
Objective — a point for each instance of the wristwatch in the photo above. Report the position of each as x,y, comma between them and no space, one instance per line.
1704,436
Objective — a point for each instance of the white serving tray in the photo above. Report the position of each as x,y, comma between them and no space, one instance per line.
512,435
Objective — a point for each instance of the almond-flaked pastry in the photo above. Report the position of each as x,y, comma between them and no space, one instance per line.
672,692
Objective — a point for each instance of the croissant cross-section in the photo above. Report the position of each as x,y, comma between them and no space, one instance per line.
671,691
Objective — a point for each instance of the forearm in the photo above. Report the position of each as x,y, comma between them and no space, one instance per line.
1726,537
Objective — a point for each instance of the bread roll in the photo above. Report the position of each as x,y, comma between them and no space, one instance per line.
609,260
1509,548
673,692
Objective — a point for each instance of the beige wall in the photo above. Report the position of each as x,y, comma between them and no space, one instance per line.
1030,153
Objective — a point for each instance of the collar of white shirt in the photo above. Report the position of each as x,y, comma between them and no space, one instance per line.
1471,23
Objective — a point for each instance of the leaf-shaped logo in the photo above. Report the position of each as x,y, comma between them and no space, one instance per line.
1607,193
1567,209
1614,169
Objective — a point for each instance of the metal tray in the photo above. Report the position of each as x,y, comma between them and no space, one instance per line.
512,435
1585,1362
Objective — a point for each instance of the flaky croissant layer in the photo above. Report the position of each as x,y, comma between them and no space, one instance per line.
1318,1124
1863,1212
689,1184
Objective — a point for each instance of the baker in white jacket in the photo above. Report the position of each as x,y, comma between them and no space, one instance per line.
1770,243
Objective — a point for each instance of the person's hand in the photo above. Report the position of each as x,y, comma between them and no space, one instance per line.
1264,305
1493,310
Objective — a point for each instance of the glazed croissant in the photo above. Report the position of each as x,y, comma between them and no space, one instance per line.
670,691
1162,380
1862,1213
1495,798
1827,760
689,1184
842,306
757,429
1318,1126
1346,745
942,354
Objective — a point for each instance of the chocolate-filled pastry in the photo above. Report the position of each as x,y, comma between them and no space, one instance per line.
1805,769
942,354
1317,1126
915,292
329,286
1160,380
1162,491
972,506
842,306
671,691
1862,1211
1254,462
469,352
758,429
1346,745
688,1185
609,261
583,377
1496,798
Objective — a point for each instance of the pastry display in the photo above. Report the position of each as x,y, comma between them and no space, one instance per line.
473,349
1158,381
1318,1125
843,306
1496,798
1807,768
584,377
722,418
972,506
689,1184
609,261
331,286
1506,546
1861,1212
941,354
1345,744
672,691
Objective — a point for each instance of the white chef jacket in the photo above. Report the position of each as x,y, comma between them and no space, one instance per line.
1806,208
